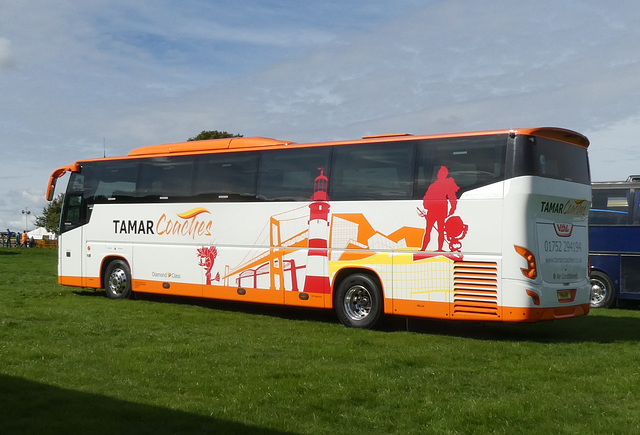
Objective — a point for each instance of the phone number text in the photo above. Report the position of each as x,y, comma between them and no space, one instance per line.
562,246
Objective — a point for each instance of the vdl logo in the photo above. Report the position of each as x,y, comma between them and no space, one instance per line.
563,230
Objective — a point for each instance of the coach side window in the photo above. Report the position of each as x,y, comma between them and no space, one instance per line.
609,207
472,162
372,172
558,160
290,174
111,181
226,177
165,178
636,206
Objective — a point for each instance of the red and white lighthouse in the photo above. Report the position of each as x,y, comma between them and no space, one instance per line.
317,276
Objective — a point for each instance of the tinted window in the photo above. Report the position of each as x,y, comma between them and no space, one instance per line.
552,159
289,175
79,197
609,207
74,212
165,178
630,278
472,162
372,172
226,177
110,180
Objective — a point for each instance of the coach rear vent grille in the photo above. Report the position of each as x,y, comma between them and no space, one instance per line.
475,289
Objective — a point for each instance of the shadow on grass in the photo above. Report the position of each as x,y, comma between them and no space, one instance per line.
3,252
279,311
31,407
601,326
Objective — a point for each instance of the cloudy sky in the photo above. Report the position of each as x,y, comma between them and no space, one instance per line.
79,79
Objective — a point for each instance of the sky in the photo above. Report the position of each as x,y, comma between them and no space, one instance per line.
84,79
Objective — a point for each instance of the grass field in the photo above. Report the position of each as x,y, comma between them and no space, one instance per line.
72,361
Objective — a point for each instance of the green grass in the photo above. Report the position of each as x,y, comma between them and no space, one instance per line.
73,361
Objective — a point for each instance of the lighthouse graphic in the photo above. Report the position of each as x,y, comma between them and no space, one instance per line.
317,278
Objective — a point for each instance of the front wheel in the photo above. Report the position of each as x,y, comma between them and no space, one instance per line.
358,301
602,291
117,280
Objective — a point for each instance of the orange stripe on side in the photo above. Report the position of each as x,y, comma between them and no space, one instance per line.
77,281
427,309
166,288
511,314
300,299
73,281
276,297
243,294
93,282
491,313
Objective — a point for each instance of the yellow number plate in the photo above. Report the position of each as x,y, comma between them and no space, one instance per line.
566,295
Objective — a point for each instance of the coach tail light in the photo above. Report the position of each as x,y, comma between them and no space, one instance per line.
531,271
534,296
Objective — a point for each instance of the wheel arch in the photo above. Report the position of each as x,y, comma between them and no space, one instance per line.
602,277
608,264
613,277
106,261
343,273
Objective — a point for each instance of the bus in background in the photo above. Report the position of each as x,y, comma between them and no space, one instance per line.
482,226
614,241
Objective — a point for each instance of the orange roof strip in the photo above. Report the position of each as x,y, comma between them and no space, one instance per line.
550,132
400,137
198,146
377,136
555,133
248,143
259,142
193,146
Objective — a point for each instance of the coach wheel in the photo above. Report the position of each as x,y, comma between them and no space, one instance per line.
117,280
358,301
602,291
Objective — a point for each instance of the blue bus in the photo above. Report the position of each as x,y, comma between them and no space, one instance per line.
614,241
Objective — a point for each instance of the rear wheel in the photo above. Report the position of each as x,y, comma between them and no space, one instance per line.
602,291
358,301
117,280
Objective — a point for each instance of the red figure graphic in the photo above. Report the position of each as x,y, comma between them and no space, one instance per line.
206,257
440,203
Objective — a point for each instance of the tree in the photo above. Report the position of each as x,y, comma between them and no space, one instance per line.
213,134
50,218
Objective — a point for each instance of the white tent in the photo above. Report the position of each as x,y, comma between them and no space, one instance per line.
40,233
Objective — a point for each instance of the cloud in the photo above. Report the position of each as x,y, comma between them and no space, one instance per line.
443,67
117,74
613,152
6,56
